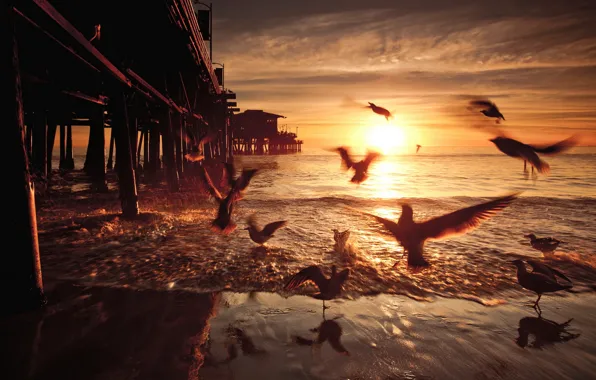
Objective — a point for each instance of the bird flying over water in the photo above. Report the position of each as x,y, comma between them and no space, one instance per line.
329,288
412,235
490,109
514,148
360,167
329,330
380,110
542,279
223,222
418,147
261,236
545,244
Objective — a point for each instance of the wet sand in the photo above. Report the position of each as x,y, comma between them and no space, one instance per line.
121,333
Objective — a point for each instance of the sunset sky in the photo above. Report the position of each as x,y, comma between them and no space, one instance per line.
318,62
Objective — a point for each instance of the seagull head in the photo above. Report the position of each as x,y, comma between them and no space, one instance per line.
518,263
531,236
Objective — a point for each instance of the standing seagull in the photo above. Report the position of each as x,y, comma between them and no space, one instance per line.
490,109
545,244
514,148
412,235
360,167
418,147
261,236
329,288
223,222
380,110
542,279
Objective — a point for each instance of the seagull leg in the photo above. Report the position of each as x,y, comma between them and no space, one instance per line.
536,306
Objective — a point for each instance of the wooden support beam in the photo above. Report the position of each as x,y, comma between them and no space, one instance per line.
110,164
39,147
52,126
80,38
22,286
62,136
68,158
168,152
96,157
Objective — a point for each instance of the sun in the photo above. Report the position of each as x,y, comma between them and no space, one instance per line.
385,138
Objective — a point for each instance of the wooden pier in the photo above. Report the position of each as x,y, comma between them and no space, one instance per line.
255,132
139,68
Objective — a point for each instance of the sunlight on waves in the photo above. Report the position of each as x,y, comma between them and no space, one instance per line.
383,182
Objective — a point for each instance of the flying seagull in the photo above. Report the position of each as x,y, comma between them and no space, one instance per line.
380,110
412,235
514,148
538,281
545,244
490,109
261,236
418,147
329,330
360,167
329,288
223,222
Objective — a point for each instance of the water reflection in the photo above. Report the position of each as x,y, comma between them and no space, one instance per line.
328,331
545,331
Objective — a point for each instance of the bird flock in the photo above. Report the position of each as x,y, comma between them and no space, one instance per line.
411,234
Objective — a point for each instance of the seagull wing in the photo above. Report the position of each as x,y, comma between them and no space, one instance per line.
343,275
230,173
270,228
390,225
345,157
243,180
461,221
527,153
482,103
559,147
303,341
539,267
252,222
370,157
210,186
312,273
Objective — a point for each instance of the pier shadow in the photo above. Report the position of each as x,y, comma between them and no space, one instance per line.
108,333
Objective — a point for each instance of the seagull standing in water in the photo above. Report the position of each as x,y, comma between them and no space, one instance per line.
261,236
412,235
380,110
360,167
223,222
490,109
545,244
527,152
542,279
329,288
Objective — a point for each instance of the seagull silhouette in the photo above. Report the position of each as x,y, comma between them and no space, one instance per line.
412,235
360,167
380,110
545,244
418,147
514,148
261,236
490,109
328,331
329,288
223,222
542,279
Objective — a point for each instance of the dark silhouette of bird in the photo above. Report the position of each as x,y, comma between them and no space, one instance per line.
490,109
412,235
418,147
206,136
223,222
328,331
545,244
360,167
246,343
514,148
261,236
538,281
380,111
329,288
545,331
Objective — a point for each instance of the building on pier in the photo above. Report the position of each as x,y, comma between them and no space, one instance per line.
257,132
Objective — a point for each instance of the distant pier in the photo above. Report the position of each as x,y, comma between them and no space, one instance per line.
255,132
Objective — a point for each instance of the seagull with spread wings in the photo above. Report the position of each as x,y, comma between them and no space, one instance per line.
490,109
527,152
329,288
261,236
380,111
412,235
360,167
223,222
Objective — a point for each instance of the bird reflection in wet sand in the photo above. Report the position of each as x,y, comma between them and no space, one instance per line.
542,279
360,167
545,331
380,111
223,222
247,346
328,331
412,235
490,109
529,153
261,236
329,288
545,244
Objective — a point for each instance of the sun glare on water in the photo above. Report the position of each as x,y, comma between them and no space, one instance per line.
385,138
